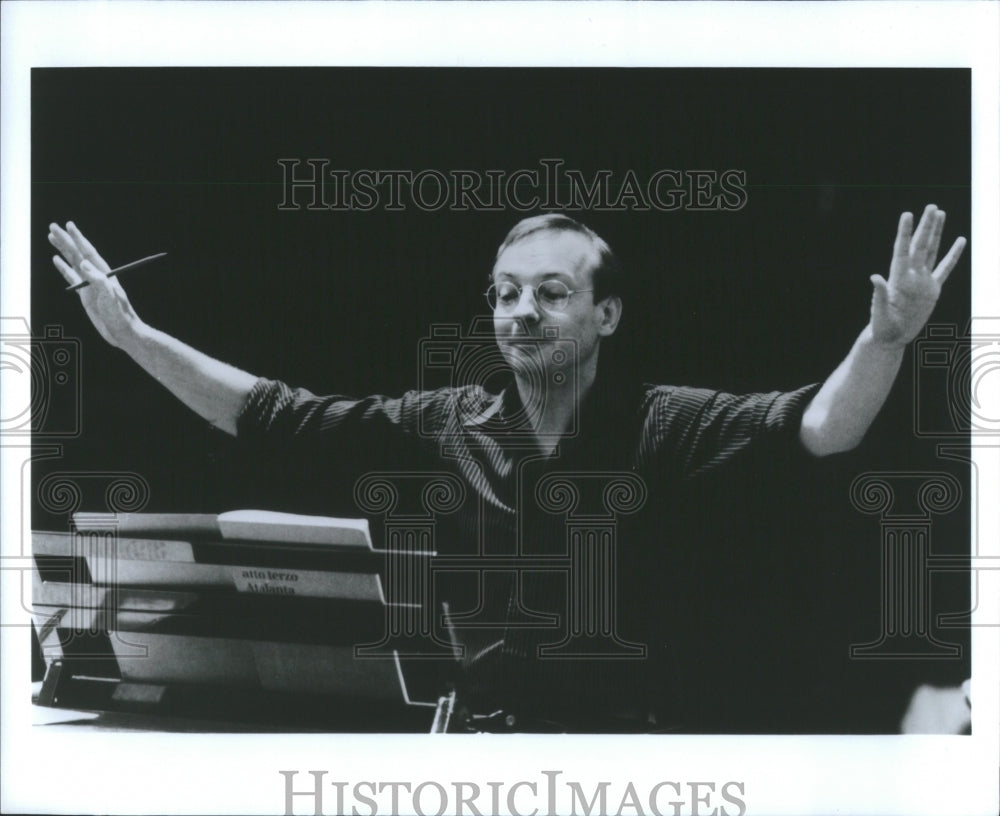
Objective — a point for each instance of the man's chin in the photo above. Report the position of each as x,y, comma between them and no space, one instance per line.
523,356
533,358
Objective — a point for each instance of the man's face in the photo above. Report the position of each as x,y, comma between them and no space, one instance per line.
524,329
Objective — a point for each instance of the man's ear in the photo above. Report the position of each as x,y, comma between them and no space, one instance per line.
611,313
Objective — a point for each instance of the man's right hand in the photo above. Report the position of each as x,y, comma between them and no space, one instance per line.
209,387
104,299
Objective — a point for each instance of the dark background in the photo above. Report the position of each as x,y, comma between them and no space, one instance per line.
769,297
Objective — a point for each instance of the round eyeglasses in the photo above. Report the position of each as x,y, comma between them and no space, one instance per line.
550,295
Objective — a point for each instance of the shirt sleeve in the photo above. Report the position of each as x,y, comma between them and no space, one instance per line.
696,430
276,416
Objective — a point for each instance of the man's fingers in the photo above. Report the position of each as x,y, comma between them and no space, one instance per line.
68,272
64,242
78,236
61,241
84,245
921,237
934,244
949,261
91,273
901,249
881,294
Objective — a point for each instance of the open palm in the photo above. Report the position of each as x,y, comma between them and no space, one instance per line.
902,304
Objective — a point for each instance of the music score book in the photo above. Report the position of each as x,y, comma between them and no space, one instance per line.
246,599
248,525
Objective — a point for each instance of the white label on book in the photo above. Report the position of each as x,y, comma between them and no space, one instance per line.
352,586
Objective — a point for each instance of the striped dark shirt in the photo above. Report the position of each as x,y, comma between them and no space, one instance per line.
539,639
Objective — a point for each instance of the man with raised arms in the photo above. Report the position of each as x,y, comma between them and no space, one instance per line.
555,294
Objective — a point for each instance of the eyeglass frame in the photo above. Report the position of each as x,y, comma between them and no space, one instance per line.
534,294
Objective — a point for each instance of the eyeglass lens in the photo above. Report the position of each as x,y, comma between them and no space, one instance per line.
550,294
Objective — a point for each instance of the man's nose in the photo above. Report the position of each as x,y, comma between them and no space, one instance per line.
527,306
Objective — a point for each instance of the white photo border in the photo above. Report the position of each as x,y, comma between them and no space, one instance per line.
52,771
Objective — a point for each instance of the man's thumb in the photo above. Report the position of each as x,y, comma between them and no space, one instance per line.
881,293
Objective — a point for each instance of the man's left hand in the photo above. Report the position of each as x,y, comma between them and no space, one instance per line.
902,305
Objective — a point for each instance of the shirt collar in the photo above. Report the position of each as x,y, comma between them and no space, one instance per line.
499,411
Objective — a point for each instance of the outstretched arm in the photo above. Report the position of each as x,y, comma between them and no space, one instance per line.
840,414
213,389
